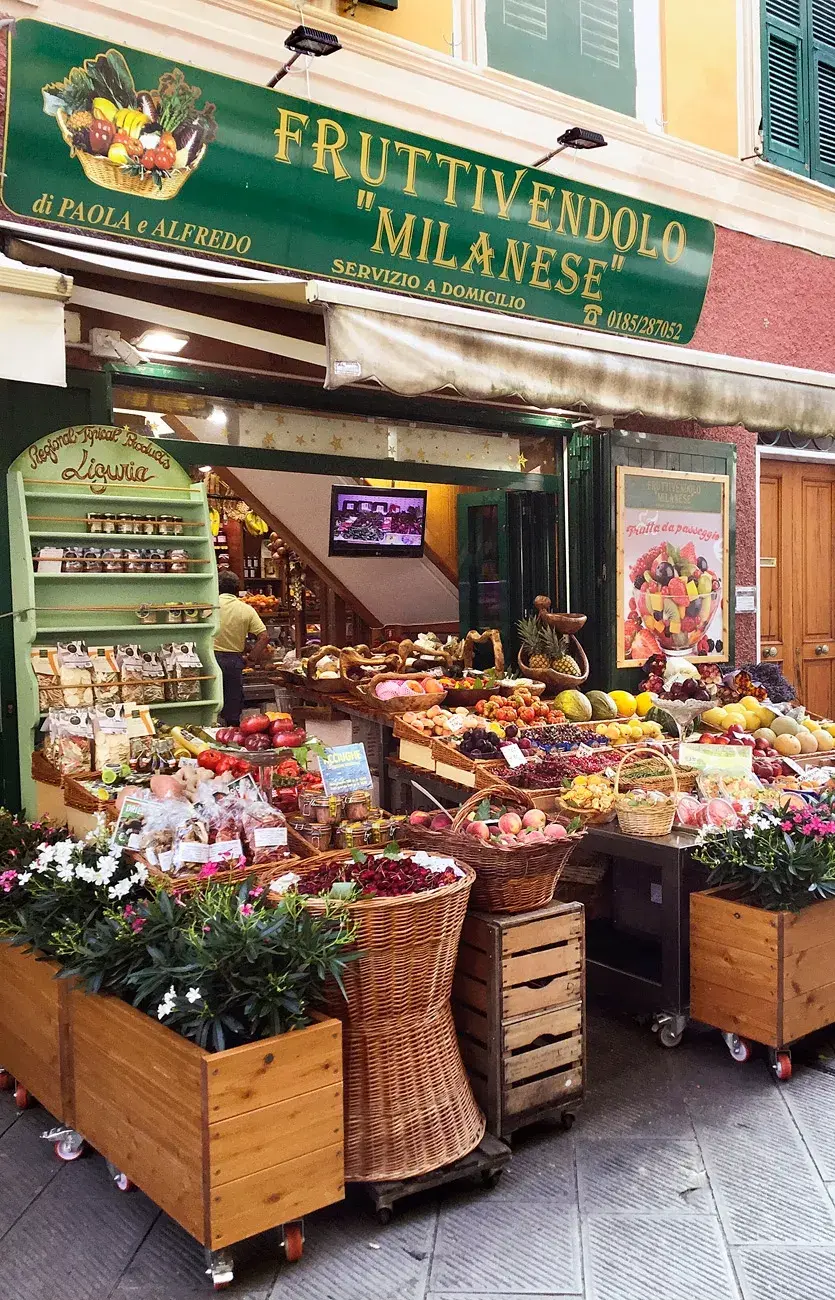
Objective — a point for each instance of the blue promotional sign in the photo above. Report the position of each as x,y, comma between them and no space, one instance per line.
345,769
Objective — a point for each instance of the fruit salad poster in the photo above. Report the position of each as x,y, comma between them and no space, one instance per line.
672,534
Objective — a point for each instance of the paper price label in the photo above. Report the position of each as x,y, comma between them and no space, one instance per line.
583,751
455,724
513,756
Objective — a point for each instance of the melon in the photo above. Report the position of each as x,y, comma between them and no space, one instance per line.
787,745
766,734
687,810
808,744
825,741
603,707
785,726
721,812
575,705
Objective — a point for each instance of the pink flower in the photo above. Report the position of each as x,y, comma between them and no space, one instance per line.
247,909
8,880
207,929
256,893
209,870
137,924
786,826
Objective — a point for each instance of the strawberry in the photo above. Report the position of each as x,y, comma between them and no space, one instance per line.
688,553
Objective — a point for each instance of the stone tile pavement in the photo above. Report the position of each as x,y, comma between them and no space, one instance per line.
686,1176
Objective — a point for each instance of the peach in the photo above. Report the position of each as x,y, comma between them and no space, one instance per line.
555,831
534,820
441,822
479,830
510,823
420,818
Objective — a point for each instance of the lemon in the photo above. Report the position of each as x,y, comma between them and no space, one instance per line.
613,732
643,704
625,703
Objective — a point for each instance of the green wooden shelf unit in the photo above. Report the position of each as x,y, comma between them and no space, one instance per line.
47,507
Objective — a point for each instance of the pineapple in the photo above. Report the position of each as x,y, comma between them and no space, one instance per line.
532,636
559,658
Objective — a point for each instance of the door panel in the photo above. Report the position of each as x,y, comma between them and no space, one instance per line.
797,526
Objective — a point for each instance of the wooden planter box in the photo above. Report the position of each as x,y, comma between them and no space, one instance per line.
768,976
34,1029
518,1002
227,1143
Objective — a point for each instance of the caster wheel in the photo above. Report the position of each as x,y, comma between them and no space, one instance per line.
385,1214
567,1121
124,1184
21,1097
490,1177
740,1049
67,1151
6,1081
293,1242
668,1037
782,1067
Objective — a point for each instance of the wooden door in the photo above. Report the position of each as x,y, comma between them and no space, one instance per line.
797,572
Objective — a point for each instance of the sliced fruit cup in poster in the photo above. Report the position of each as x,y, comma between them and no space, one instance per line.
142,142
675,596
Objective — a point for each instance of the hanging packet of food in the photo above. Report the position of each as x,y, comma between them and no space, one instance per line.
141,731
129,659
45,667
106,686
153,675
74,746
265,833
159,831
75,674
50,728
110,736
182,670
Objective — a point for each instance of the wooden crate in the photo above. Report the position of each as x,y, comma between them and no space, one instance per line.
518,1001
769,976
34,1029
227,1143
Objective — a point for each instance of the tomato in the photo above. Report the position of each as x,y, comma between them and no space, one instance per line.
226,763
149,159
167,141
209,758
165,158
242,767
255,723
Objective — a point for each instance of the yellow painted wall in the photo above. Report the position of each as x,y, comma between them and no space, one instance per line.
426,22
698,58
441,518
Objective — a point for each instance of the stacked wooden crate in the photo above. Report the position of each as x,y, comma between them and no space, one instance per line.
518,1001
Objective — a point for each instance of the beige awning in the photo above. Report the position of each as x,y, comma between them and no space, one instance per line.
32,324
416,347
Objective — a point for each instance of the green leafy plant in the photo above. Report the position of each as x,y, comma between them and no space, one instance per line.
783,860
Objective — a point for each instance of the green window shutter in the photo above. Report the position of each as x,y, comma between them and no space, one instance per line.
785,85
823,91
584,48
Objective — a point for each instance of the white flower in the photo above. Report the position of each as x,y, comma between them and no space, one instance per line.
64,852
748,833
88,874
140,875
119,890
282,883
24,877
107,868
194,995
66,872
168,1004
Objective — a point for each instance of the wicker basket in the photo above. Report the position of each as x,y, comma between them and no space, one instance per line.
559,681
409,1107
443,752
683,780
507,880
44,771
327,685
654,820
588,816
110,176
186,883
400,703
79,797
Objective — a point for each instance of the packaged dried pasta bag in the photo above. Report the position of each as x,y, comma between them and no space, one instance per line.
141,731
159,832
111,745
74,743
183,670
45,667
265,832
106,684
50,728
191,844
75,674
153,675
129,659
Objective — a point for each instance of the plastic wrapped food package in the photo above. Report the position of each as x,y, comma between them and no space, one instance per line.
225,846
106,684
129,660
191,845
75,674
45,667
265,833
110,736
153,675
141,731
183,670
74,742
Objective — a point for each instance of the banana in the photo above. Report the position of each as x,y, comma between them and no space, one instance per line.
255,525
130,120
214,521
105,109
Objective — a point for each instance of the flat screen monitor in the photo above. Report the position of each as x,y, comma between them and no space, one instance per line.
377,521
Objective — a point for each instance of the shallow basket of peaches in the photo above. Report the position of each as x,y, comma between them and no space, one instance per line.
487,824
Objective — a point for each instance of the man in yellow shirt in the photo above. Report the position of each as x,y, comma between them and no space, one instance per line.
237,621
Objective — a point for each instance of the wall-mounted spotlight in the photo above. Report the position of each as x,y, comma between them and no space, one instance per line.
305,40
576,137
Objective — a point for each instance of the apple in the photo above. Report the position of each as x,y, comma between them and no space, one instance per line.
510,823
421,818
479,830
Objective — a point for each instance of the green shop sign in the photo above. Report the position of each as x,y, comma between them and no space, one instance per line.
120,142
